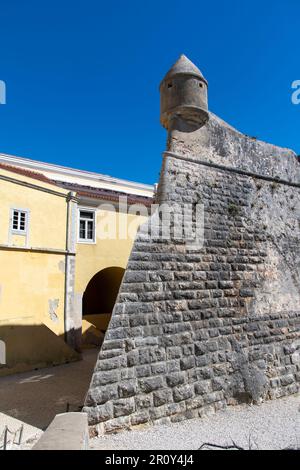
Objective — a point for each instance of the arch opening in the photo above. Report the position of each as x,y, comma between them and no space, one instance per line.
97,304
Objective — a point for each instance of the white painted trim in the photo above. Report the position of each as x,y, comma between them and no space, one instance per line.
42,166
19,210
84,241
23,233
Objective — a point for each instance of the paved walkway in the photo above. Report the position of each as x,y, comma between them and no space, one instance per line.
272,425
35,397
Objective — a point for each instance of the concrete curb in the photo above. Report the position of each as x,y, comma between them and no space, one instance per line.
68,431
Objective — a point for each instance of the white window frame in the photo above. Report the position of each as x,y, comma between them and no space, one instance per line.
86,240
19,231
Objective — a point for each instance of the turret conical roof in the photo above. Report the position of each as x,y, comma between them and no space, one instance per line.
184,66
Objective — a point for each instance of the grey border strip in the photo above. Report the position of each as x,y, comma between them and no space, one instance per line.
231,169
37,250
33,186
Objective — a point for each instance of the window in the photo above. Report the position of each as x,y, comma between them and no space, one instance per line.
19,221
86,226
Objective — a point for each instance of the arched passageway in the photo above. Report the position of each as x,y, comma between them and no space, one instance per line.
101,292
98,302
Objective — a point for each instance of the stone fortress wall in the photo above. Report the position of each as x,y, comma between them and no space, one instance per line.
194,331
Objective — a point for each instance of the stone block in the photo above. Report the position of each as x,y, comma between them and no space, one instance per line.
123,407
175,379
150,384
127,389
183,393
162,397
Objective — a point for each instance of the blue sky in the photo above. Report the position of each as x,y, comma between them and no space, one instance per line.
82,77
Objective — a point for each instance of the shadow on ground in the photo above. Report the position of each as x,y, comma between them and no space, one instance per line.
36,397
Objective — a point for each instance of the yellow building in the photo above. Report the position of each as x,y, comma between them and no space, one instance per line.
64,244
